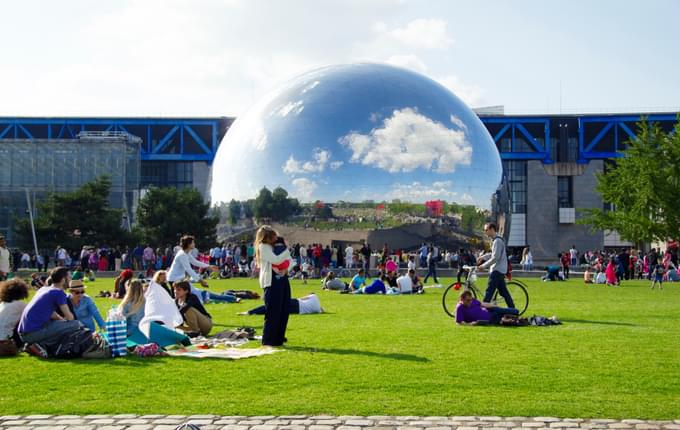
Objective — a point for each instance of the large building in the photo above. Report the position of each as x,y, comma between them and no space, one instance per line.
551,162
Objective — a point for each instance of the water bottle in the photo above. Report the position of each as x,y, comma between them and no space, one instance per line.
116,332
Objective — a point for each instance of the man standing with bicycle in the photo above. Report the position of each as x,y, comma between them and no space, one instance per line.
497,263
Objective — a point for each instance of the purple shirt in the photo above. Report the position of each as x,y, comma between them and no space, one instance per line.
39,311
473,313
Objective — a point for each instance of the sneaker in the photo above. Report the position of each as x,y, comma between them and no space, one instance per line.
36,350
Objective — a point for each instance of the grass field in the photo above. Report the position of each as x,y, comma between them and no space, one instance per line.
617,356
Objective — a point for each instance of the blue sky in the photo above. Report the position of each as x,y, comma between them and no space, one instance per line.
216,57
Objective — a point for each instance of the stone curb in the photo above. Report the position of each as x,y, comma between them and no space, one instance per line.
322,422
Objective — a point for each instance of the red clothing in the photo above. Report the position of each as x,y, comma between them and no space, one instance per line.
565,260
103,264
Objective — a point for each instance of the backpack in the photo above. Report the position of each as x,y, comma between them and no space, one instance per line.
513,321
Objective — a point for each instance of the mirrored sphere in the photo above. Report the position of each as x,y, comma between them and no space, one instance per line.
358,132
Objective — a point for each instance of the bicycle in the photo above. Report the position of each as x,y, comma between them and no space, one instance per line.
518,292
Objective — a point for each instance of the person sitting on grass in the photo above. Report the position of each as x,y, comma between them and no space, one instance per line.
119,284
471,311
405,283
358,281
330,282
610,273
77,274
376,287
587,276
12,294
47,318
304,305
37,282
161,278
132,306
89,275
600,278
83,306
197,321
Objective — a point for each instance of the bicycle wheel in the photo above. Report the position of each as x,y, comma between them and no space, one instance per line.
519,294
450,299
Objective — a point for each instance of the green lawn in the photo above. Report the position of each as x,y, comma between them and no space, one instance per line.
617,355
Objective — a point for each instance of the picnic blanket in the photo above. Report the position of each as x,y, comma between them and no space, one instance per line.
228,353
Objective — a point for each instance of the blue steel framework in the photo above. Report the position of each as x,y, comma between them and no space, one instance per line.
197,139
599,136
163,139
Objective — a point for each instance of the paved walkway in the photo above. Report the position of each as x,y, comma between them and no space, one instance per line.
319,422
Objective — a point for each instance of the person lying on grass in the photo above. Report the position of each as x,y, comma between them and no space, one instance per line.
376,287
304,305
330,282
471,311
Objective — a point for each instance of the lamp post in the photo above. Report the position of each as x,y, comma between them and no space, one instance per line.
30,215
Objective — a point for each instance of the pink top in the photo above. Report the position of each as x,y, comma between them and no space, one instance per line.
610,272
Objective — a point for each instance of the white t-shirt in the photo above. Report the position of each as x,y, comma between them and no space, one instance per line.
349,253
405,284
61,254
309,304
305,266
4,260
573,252
10,313
411,265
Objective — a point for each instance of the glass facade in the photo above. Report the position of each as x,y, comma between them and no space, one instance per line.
565,192
516,171
44,165
177,174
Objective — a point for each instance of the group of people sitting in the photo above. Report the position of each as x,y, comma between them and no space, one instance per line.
385,283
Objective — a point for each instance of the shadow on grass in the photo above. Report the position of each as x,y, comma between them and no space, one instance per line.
393,356
598,322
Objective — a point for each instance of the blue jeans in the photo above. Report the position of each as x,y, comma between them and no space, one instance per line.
209,296
52,332
497,282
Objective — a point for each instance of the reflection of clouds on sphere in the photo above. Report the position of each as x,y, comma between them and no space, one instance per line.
359,132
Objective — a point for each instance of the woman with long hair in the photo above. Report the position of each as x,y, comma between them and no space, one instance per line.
275,285
132,306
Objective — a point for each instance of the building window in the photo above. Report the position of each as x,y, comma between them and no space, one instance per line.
177,174
516,171
565,192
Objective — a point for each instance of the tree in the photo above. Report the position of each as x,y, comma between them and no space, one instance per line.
165,214
264,201
642,188
274,205
234,211
76,218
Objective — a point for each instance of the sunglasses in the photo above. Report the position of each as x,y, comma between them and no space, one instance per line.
78,293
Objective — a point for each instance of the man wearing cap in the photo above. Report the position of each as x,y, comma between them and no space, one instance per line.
4,259
83,306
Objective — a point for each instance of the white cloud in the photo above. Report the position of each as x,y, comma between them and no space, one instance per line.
321,157
296,108
458,122
335,165
310,87
421,33
419,192
407,141
470,94
304,188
